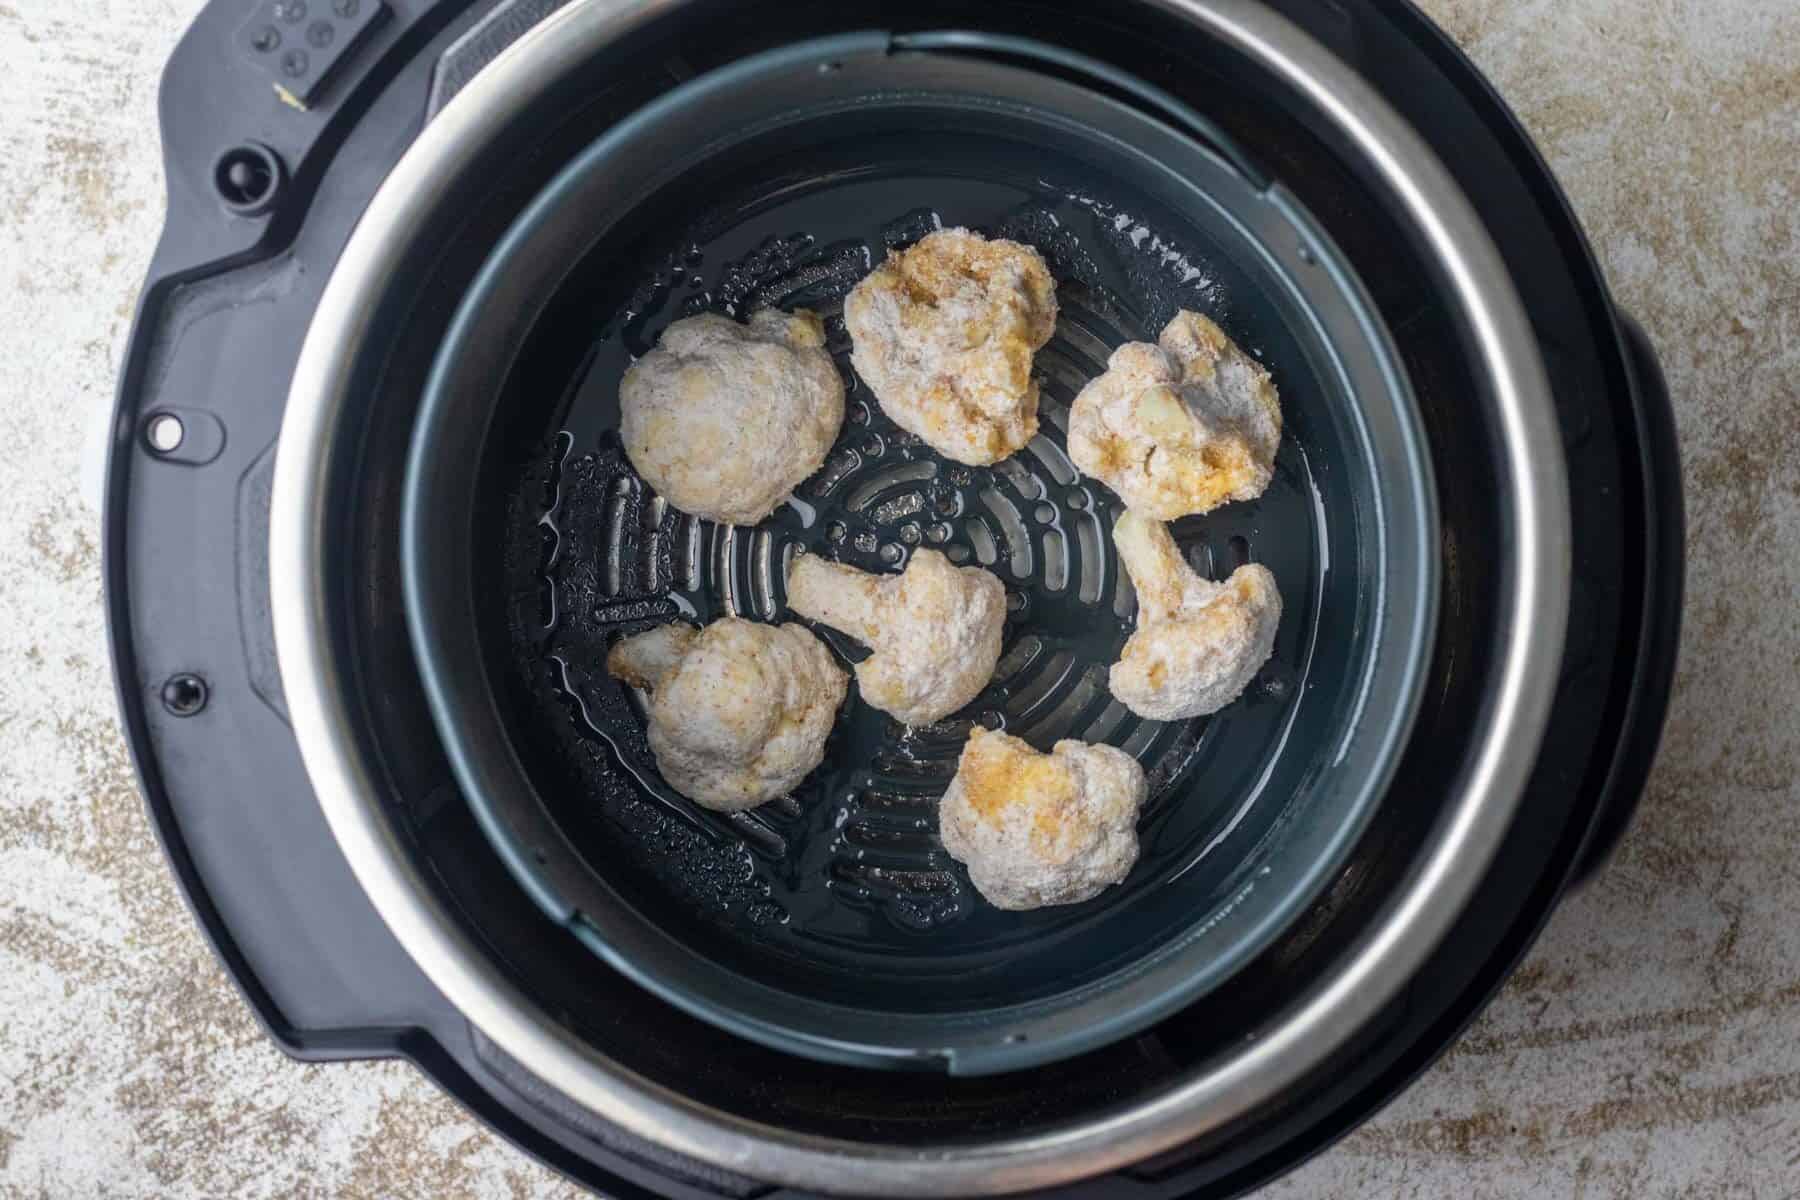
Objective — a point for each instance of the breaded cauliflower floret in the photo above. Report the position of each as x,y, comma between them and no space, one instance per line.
944,333
1038,829
724,420
1179,427
739,712
934,629
1198,643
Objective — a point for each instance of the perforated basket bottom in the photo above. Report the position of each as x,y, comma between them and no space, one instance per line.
846,875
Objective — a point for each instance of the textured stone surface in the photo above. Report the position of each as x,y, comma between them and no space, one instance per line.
1647,1047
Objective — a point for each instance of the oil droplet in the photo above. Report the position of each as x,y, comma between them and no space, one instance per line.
809,516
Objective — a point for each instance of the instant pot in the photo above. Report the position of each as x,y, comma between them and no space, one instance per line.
367,539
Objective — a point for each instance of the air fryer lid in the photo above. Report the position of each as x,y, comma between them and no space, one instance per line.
1016,1131
832,923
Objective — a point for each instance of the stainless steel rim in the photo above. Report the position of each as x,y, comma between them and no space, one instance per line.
1535,611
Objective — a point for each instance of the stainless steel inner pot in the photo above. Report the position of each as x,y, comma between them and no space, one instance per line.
1533,575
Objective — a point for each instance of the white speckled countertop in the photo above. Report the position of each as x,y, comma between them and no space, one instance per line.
1648,1047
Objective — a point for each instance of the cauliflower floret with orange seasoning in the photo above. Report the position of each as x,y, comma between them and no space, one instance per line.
739,712
725,420
1198,643
1180,427
944,334
1040,829
934,629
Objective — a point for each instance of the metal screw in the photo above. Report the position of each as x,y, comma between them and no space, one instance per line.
291,11
294,63
319,34
184,694
346,9
265,39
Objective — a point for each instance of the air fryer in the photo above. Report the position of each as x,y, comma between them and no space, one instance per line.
231,296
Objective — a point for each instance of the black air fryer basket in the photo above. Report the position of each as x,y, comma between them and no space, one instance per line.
833,923
517,823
